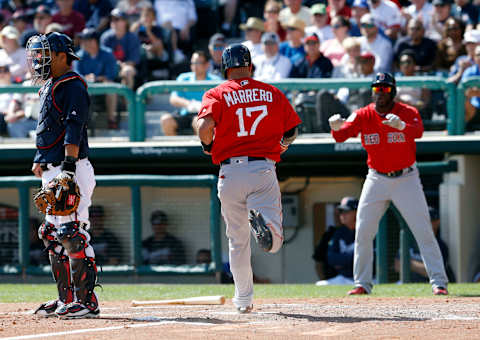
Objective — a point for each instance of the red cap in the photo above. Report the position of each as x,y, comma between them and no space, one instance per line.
367,55
312,37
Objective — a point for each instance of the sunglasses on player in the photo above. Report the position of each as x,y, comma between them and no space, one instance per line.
381,89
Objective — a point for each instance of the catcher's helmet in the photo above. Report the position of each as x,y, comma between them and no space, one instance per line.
235,55
38,52
387,79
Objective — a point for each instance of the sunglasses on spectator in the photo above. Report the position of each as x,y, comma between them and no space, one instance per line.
274,11
291,29
312,42
218,47
337,26
367,25
381,89
406,62
197,63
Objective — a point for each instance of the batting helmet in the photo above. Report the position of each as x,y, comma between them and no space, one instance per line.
236,55
387,79
39,48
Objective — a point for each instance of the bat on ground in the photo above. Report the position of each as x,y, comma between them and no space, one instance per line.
198,300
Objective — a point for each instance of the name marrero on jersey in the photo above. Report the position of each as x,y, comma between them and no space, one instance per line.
247,96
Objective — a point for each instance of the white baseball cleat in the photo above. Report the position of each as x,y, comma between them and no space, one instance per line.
76,310
48,308
244,310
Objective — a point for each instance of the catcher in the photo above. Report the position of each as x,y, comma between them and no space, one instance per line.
67,176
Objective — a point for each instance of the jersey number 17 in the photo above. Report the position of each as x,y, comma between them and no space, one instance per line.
248,113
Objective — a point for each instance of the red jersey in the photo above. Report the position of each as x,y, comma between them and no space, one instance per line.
388,149
250,119
72,24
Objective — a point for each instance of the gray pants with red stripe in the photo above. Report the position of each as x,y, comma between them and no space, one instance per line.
243,186
406,193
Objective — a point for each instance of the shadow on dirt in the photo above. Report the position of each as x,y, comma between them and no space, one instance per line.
208,320
339,319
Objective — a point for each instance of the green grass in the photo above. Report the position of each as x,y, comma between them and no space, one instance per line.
113,292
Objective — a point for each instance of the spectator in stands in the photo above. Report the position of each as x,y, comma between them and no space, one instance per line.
294,8
333,48
97,64
188,103
375,43
314,64
179,17
451,46
162,247
476,277
133,8
107,247
254,29
471,39
271,14
95,12
466,11
203,256
337,8
42,18
156,48
359,8
22,113
338,254
415,96
7,119
124,45
347,68
13,53
229,12
216,45
441,13
38,253
72,21
320,26
472,94
20,21
293,48
271,65
425,49
417,267
387,17
419,9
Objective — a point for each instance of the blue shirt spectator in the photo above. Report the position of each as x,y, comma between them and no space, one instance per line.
293,53
126,48
192,95
101,65
472,71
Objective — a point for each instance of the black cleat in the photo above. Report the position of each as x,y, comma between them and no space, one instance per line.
262,234
47,309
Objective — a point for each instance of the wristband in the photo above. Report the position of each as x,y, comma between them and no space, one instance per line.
69,164
206,147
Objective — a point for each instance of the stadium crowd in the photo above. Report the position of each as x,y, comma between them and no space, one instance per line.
136,41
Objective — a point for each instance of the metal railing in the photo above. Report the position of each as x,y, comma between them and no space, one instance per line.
135,182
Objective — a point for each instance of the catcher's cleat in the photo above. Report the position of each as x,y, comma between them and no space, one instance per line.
48,308
358,291
440,291
244,310
262,234
76,310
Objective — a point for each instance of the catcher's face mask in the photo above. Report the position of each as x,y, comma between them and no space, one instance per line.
39,58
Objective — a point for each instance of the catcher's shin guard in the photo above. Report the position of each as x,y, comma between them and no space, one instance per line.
74,240
59,262
84,273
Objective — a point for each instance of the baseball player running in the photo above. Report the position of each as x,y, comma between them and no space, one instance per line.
62,150
388,132
245,125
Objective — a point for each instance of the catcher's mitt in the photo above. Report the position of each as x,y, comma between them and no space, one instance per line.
60,197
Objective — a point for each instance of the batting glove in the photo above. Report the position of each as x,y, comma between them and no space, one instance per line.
336,122
394,121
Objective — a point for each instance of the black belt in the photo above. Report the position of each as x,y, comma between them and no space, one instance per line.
44,166
397,173
250,159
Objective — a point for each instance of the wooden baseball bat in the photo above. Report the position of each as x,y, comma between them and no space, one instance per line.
198,300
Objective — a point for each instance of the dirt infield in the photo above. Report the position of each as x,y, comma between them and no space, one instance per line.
344,318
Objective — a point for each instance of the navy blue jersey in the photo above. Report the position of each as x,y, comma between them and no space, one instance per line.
63,118
340,251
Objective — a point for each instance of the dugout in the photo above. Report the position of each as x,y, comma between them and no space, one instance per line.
315,170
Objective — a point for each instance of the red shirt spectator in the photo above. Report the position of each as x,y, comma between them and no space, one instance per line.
72,21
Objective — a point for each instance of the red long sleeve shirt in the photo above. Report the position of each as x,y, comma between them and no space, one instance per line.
388,149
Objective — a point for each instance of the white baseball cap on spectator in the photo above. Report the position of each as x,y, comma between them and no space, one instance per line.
10,32
270,37
472,36
367,19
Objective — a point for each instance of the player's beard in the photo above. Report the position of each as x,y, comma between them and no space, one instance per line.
383,102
